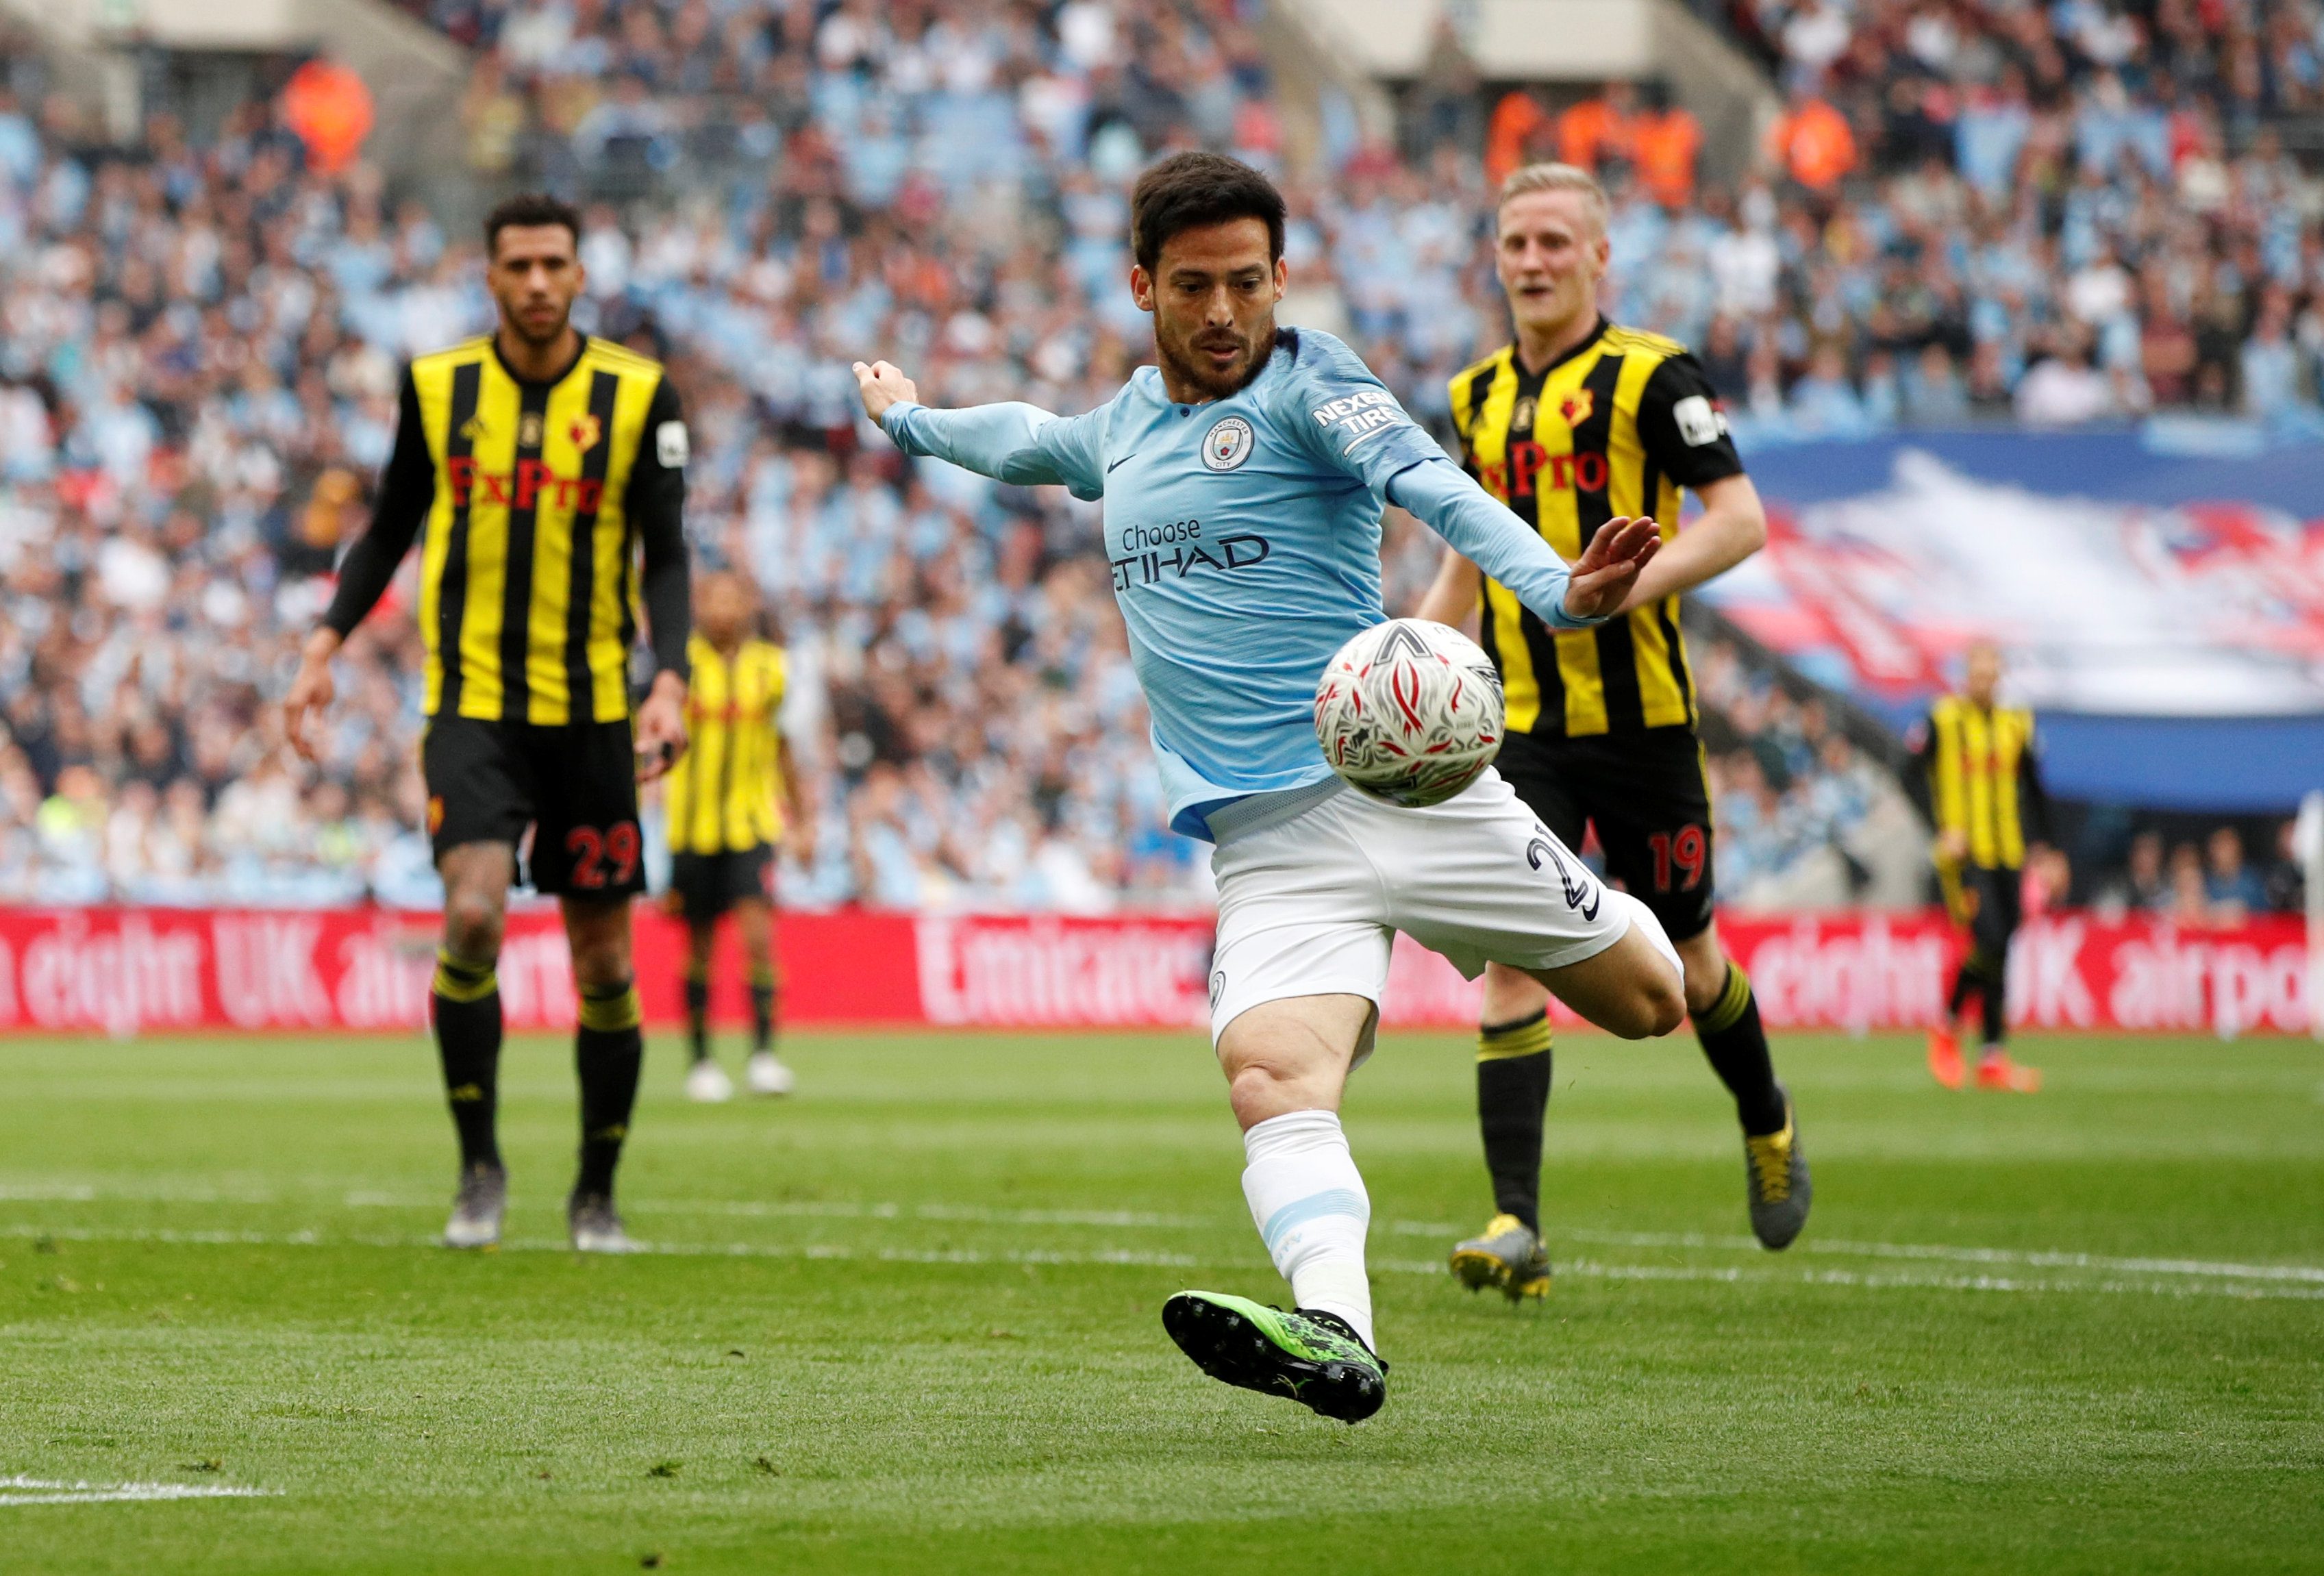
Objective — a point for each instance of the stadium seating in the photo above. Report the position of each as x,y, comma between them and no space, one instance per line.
202,341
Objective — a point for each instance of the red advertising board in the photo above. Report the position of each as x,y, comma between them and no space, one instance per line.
123,972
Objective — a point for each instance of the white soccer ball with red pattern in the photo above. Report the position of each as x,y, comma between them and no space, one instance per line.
1409,712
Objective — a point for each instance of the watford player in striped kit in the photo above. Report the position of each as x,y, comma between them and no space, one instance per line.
1578,422
733,798
1980,783
548,472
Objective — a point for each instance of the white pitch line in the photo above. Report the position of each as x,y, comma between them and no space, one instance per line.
967,1213
1591,1270
1585,1268
81,1193
1132,1220
2035,1259
23,1490
842,1209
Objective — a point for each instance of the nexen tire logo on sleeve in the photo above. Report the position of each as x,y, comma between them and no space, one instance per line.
1360,417
1227,445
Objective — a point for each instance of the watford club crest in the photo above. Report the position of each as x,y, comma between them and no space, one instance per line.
586,430
1576,407
435,814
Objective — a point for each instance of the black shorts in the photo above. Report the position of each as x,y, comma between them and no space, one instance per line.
1644,792
708,884
575,785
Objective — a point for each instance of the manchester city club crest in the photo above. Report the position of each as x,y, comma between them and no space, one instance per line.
1228,444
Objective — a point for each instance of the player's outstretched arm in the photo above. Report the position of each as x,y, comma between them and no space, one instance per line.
312,691
1608,570
884,385
407,490
1010,441
1483,530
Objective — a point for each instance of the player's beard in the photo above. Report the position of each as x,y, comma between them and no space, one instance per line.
1182,356
538,338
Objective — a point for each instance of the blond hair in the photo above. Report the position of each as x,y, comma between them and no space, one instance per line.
1551,177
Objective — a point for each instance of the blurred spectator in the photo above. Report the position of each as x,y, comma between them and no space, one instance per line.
2140,886
1665,141
2190,897
1520,132
330,108
1810,141
2287,882
1934,393
1804,817
1824,403
2063,390
1601,130
2233,888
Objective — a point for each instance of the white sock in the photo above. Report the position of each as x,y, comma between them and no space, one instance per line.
1308,1202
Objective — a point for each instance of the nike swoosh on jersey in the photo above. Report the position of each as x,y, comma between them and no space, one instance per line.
1117,464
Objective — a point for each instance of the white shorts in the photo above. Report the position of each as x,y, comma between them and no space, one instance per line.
1309,904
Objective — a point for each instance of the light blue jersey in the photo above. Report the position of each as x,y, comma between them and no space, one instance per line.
1244,536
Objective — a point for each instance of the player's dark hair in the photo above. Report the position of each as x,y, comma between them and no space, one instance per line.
529,207
1188,191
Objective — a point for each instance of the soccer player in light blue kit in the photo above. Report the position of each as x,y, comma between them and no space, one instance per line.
1243,480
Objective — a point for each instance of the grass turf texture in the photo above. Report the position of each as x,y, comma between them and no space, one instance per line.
915,1327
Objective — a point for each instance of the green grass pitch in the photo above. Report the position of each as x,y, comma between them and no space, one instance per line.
908,1320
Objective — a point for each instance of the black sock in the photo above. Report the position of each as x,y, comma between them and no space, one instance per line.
1736,1045
1965,985
1513,1067
608,1049
762,1009
465,1003
1995,1004
697,1013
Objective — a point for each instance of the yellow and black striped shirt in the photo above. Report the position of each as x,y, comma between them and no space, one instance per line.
1982,779
536,498
726,792
1615,427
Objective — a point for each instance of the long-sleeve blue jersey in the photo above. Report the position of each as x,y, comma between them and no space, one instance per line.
1244,536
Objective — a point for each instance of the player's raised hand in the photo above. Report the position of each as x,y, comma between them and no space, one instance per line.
1609,567
311,692
883,383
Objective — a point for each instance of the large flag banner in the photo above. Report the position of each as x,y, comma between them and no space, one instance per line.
2164,616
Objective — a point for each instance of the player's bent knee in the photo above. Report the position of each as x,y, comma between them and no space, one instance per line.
1662,1005
1634,988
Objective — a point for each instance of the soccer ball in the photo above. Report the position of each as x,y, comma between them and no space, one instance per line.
1409,712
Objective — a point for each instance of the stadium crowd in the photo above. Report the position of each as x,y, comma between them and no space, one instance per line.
201,344
2058,215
